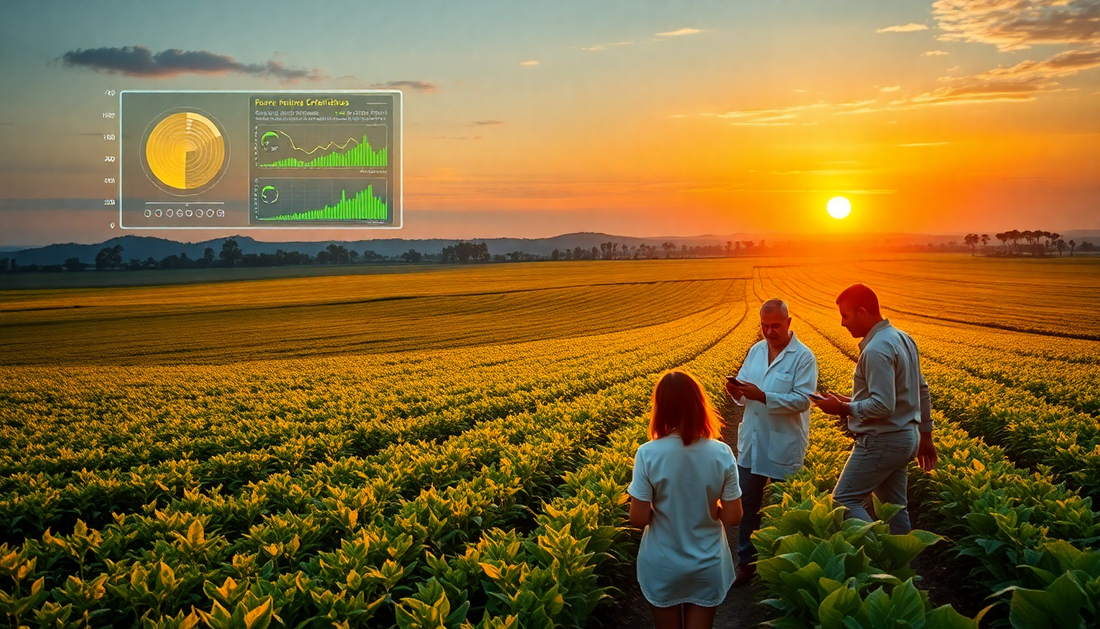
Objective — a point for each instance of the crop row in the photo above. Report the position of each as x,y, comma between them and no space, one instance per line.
67,419
97,494
408,410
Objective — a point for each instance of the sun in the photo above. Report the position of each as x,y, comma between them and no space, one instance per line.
838,207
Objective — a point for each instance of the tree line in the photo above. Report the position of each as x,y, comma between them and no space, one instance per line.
463,252
1034,243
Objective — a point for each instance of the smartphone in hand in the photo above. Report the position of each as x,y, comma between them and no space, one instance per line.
734,381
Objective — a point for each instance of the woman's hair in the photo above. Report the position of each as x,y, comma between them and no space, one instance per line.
679,403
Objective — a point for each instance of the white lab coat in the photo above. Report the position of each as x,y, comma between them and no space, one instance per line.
772,437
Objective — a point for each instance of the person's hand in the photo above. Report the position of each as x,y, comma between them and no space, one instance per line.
750,391
926,452
842,398
730,390
830,405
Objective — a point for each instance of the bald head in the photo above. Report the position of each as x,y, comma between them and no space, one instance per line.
775,323
775,304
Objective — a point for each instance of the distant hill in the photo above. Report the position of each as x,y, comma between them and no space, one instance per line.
142,247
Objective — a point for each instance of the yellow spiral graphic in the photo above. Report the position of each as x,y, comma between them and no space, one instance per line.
185,150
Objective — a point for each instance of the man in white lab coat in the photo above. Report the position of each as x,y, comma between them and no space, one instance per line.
774,384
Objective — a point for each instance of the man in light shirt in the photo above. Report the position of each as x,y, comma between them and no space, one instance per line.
890,411
777,378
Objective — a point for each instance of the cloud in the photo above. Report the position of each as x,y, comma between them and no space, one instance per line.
769,115
1021,82
934,53
530,62
786,115
594,48
680,31
1019,24
419,86
903,28
139,61
798,91
924,144
892,88
485,123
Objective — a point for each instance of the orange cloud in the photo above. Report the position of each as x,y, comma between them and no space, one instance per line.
903,28
1019,24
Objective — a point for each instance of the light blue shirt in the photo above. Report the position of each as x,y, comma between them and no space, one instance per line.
684,556
772,436
888,389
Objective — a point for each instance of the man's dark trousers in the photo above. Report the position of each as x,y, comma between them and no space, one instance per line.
752,494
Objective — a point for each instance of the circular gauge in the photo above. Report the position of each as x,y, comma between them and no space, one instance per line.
185,152
270,142
269,194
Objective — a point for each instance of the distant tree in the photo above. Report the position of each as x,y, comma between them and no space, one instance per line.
1004,240
736,248
412,255
729,245
208,255
231,252
354,255
337,254
109,258
1072,245
72,264
985,241
971,241
1061,245
1087,246
555,255
499,258
668,247
683,251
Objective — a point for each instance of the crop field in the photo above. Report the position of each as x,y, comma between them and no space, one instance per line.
452,448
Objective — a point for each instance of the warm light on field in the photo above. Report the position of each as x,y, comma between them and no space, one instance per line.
838,207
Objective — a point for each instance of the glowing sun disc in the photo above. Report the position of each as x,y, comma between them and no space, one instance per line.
838,207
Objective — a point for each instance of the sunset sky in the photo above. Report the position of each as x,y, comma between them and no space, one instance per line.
634,118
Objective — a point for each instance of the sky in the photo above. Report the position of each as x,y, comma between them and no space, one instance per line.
637,118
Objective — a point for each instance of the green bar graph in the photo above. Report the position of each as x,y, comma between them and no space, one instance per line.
359,156
363,206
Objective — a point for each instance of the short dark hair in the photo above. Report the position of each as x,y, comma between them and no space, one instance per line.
860,295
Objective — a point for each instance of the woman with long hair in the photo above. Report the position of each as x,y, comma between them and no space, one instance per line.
683,492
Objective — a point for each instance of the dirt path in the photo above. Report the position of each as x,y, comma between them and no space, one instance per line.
741,608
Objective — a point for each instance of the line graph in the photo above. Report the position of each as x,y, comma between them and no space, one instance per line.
280,132
322,146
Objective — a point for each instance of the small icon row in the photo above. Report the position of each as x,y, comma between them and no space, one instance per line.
184,213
